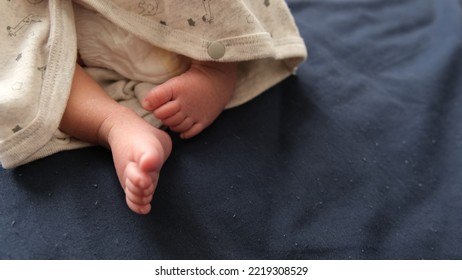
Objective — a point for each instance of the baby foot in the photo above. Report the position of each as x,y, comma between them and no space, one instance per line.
188,103
139,150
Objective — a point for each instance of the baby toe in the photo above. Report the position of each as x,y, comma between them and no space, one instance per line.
137,208
175,120
157,97
183,126
133,175
138,199
168,110
193,131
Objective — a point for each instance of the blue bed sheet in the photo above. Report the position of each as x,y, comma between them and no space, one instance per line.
357,157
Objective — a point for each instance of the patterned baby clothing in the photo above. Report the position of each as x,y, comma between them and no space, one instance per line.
39,51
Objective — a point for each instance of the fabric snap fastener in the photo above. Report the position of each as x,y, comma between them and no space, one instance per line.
216,50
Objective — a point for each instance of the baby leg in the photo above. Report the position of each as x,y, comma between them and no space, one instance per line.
139,149
192,101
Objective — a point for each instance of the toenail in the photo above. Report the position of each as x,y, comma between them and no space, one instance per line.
146,105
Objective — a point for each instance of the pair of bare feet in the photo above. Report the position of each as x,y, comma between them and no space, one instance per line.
187,104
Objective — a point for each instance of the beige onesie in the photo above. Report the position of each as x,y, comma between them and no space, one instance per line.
39,47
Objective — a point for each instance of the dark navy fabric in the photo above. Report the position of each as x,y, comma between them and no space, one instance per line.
357,157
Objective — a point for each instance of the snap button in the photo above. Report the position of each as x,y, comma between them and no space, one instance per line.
216,50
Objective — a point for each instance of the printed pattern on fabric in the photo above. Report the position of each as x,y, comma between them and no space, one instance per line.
247,29
24,25
39,50
38,56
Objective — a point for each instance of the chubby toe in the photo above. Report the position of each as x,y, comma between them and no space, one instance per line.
175,120
139,209
193,131
167,110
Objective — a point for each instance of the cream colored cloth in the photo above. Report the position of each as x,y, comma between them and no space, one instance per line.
103,44
39,46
